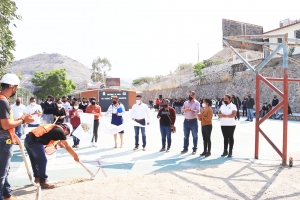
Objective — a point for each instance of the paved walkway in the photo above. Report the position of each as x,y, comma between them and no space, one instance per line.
124,161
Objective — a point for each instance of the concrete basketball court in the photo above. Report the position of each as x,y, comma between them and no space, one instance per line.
125,162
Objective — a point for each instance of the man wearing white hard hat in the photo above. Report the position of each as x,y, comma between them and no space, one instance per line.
9,85
37,142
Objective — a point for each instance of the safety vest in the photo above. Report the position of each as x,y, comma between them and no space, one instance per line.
43,129
11,130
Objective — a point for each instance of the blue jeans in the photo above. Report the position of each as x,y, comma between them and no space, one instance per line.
193,127
166,132
6,153
250,114
37,158
137,130
75,139
33,125
18,130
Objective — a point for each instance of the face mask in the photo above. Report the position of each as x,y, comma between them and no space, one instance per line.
93,103
59,105
226,102
138,101
18,102
203,105
33,104
115,102
75,107
190,98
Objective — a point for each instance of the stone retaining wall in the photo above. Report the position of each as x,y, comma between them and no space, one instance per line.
243,82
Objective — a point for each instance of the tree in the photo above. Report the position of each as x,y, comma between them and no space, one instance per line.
53,83
291,51
142,80
198,69
8,14
100,67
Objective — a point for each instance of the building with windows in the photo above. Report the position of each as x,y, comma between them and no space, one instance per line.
292,27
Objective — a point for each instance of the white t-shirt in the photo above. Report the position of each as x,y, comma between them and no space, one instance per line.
18,111
114,109
213,103
140,111
31,109
227,110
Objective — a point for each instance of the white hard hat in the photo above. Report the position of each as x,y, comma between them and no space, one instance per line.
10,79
70,127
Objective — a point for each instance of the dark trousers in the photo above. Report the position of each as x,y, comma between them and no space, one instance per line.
95,132
237,114
244,109
6,152
228,132
143,130
206,132
37,158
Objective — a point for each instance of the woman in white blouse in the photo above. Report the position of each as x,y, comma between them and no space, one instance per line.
227,114
116,109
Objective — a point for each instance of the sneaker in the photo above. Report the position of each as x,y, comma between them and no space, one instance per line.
162,150
247,120
136,148
251,120
194,152
144,148
168,149
207,154
74,146
184,151
95,144
92,144
46,185
77,146
203,153
230,154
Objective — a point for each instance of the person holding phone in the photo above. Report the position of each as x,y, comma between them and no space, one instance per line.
117,110
36,111
227,114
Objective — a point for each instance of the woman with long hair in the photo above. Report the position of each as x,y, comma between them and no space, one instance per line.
205,117
227,114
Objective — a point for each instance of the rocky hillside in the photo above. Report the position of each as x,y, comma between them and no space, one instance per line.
76,71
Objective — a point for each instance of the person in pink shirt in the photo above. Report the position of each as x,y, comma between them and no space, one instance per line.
74,116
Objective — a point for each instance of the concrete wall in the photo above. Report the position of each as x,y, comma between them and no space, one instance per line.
243,82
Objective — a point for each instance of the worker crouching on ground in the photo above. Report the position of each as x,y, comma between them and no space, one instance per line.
47,134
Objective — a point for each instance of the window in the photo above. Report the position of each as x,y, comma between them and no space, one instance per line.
279,40
297,34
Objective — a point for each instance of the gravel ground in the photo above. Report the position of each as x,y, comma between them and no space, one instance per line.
235,179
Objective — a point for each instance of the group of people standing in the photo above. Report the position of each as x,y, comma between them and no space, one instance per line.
226,113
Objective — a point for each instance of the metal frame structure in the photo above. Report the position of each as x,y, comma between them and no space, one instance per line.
267,80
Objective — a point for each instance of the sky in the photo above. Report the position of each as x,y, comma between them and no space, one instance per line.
139,37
